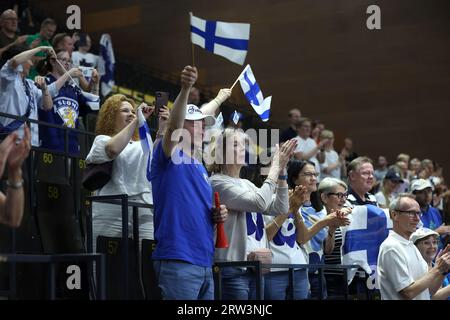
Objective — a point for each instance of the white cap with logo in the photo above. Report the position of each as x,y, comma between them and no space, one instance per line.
194,113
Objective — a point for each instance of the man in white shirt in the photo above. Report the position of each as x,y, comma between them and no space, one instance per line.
402,272
307,148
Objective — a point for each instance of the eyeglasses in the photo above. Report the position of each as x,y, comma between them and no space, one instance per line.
340,195
411,214
310,174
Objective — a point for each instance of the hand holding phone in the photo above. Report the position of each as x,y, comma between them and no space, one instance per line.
161,99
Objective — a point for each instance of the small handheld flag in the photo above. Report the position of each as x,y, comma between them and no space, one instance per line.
254,95
146,139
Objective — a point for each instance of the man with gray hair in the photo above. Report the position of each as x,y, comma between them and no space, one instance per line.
402,272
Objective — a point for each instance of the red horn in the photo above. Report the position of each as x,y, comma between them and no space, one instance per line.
221,240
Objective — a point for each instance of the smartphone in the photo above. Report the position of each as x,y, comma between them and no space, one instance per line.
161,99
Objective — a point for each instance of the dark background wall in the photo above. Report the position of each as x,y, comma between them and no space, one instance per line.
388,89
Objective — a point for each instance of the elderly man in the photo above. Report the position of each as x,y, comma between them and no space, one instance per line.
403,274
294,116
360,180
8,33
184,218
431,217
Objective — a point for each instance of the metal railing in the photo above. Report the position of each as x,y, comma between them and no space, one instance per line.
52,260
257,266
51,125
123,201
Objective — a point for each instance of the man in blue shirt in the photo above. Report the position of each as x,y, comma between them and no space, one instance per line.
431,217
184,216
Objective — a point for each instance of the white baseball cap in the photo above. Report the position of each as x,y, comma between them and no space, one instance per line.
194,113
420,184
422,233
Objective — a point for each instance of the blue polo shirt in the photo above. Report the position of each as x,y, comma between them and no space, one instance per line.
65,111
182,197
431,218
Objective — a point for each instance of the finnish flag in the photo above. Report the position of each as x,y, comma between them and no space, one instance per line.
146,140
361,240
235,117
92,100
229,40
254,95
106,64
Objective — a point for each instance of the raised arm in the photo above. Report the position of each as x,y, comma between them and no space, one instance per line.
47,101
312,152
27,55
74,73
212,106
118,142
273,227
11,205
176,119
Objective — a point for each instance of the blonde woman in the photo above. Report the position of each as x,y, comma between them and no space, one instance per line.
246,203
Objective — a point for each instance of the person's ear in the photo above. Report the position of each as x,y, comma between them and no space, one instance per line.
323,198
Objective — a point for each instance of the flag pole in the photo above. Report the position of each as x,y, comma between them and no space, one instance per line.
246,67
192,44
193,55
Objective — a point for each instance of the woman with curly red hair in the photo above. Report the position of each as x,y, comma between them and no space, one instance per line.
117,139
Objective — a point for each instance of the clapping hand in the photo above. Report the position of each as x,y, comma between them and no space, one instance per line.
297,198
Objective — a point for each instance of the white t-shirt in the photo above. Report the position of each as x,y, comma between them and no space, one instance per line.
381,198
246,203
128,176
84,59
14,99
285,249
399,265
331,158
305,146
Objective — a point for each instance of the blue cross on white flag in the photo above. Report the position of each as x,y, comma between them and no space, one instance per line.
92,100
235,117
254,95
361,240
106,64
229,40
146,140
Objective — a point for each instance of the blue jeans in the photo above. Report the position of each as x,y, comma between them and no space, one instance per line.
239,284
179,280
277,285
315,286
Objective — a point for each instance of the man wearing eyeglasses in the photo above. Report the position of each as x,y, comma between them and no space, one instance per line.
8,34
402,272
